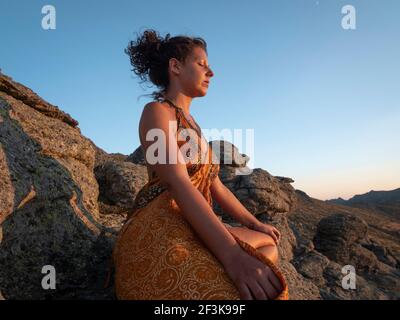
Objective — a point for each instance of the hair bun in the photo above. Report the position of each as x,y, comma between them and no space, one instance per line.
144,52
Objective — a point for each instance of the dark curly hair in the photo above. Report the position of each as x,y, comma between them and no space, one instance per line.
150,54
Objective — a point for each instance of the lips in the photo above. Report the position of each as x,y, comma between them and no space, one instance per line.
207,83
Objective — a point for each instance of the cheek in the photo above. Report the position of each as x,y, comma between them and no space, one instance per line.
195,73
192,77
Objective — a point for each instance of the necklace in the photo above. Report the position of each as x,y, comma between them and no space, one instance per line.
197,129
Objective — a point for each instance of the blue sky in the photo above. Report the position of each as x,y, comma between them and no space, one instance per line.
323,101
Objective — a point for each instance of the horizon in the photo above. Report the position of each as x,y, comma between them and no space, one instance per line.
322,100
359,194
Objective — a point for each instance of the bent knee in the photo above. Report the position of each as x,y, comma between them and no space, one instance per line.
255,238
271,252
268,241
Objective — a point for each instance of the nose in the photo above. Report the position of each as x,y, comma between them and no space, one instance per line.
210,73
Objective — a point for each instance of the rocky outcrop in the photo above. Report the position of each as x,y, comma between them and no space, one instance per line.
338,236
260,192
229,154
120,182
331,239
382,254
137,156
31,99
48,200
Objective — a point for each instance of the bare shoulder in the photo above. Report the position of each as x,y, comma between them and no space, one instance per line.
156,115
156,112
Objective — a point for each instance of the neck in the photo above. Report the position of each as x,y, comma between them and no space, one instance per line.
180,100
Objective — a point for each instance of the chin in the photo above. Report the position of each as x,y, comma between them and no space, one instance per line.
203,92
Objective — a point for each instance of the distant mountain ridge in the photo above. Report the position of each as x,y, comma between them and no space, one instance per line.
385,202
371,197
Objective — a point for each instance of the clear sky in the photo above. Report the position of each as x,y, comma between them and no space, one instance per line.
323,101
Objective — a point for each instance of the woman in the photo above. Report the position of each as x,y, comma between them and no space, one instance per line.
172,245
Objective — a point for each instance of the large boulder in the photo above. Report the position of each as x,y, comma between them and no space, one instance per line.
48,201
339,237
229,154
120,182
259,191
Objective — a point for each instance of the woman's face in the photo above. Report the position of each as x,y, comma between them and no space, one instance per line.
195,74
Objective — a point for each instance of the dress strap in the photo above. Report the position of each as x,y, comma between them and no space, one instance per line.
171,103
181,114
178,111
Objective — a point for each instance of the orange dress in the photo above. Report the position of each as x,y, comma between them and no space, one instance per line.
158,255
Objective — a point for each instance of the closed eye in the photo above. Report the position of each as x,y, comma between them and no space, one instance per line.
208,67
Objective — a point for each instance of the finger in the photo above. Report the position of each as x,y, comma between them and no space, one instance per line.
268,287
258,291
278,235
273,236
244,292
275,281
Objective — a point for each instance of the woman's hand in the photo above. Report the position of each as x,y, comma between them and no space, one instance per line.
267,229
253,278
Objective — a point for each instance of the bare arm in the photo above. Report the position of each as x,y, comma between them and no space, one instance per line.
231,205
194,206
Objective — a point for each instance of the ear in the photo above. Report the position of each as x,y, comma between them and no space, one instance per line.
174,65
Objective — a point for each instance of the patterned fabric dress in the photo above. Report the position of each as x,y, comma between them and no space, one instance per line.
158,255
